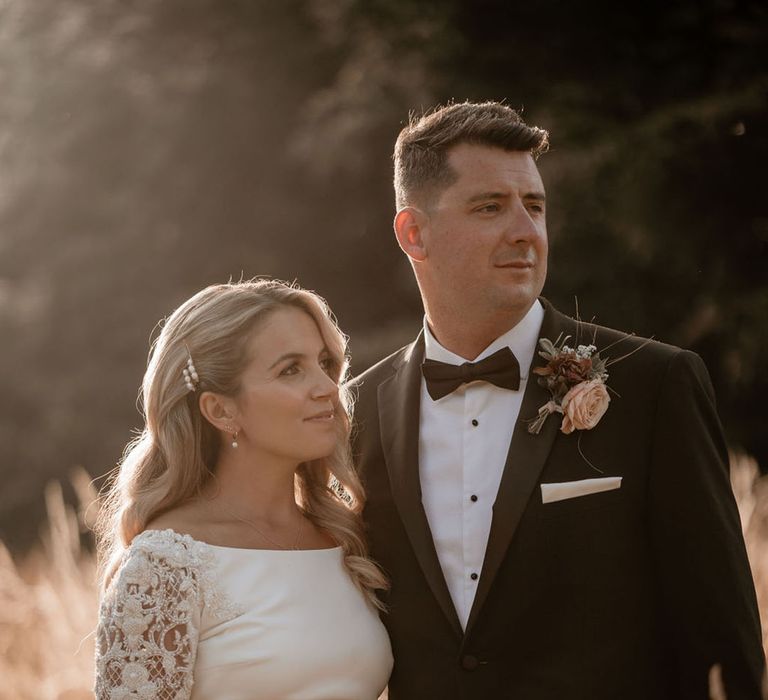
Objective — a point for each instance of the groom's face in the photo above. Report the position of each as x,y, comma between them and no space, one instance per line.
486,238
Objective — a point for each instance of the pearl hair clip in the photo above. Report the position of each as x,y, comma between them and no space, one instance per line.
190,375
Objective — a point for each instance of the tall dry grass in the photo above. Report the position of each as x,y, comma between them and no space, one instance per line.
48,607
48,601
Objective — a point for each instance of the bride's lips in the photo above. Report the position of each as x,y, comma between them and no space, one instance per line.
322,417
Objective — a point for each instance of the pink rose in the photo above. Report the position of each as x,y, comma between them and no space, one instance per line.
584,405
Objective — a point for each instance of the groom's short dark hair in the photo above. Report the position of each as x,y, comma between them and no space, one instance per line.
421,150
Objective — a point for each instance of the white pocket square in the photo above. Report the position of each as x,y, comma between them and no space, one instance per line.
572,489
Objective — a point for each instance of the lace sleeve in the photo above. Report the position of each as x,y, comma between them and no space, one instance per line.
148,625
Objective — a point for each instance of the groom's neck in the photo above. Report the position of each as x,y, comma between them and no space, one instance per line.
467,336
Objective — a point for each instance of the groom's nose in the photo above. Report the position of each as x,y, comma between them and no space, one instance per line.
521,227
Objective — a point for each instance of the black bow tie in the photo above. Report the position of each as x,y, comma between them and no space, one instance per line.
501,369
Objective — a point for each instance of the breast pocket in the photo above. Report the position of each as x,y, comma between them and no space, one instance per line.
566,499
588,538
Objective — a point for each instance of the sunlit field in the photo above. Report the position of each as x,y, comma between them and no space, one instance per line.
48,600
48,608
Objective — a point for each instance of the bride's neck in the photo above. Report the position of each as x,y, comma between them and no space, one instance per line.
250,487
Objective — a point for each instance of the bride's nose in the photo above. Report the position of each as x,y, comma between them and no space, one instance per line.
324,386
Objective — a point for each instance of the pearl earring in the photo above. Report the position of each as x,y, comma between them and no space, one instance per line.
234,440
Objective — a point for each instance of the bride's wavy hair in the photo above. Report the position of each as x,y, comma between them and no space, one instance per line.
175,455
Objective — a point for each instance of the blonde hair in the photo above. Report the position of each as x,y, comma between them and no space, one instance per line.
174,457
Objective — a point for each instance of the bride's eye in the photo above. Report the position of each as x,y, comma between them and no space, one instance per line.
291,369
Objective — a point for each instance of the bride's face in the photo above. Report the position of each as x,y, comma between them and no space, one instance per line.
288,398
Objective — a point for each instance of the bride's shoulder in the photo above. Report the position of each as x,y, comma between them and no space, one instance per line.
166,554
187,520
167,557
172,541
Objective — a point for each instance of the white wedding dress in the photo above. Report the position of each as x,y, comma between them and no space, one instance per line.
185,619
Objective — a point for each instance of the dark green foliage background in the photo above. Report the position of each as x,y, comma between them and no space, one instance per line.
149,148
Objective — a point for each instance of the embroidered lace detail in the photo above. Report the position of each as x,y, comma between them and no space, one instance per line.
149,619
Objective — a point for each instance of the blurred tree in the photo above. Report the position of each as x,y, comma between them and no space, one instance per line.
150,147
143,148
659,130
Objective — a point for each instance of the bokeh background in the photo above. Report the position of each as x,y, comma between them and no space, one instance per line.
151,147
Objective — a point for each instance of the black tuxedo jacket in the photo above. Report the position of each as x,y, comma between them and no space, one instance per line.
629,594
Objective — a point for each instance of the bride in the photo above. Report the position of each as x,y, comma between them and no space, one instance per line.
234,562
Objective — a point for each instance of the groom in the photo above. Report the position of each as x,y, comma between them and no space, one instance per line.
598,559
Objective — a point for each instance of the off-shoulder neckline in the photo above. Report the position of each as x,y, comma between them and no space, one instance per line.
184,535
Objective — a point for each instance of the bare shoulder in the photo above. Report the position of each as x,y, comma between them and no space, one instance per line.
188,519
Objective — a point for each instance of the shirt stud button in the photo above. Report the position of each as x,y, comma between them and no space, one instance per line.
473,576
474,422
473,498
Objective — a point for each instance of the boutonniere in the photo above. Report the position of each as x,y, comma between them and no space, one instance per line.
576,381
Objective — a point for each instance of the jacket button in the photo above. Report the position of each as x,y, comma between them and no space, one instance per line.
469,662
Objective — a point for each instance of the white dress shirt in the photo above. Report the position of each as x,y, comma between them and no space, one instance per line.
463,443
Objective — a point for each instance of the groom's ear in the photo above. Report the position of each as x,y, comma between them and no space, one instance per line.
410,224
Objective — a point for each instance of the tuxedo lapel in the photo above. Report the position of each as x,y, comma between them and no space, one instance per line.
399,405
525,460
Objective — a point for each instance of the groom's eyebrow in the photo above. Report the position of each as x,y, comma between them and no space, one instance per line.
486,195
528,196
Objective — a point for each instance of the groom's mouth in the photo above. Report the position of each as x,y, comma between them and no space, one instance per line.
515,264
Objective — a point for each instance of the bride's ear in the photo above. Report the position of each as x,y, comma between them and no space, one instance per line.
218,410
410,227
